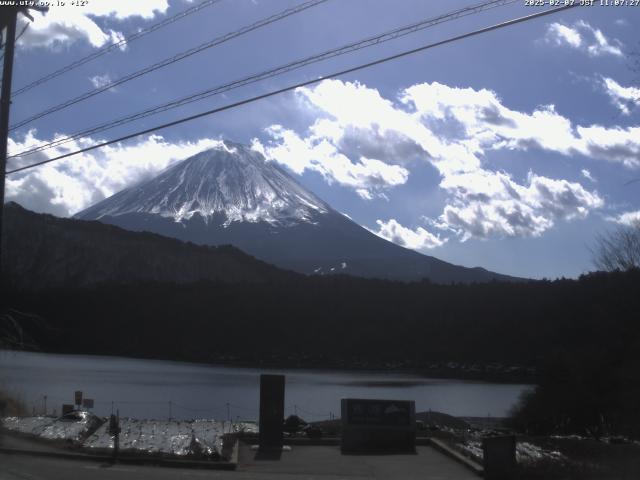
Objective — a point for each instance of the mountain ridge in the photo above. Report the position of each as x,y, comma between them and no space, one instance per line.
211,182
231,195
44,251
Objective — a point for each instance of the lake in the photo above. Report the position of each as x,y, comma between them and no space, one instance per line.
157,389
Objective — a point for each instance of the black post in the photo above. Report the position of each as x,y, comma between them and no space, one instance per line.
114,431
271,412
10,17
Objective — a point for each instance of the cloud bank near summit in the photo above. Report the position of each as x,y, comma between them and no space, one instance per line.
375,141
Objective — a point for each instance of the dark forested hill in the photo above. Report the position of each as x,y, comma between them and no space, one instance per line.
100,289
344,321
45,251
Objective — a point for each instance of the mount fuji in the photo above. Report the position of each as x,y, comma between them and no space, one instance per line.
230,194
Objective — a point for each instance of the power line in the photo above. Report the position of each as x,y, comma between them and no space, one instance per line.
176,58
348,48
24,29
119,44
302,84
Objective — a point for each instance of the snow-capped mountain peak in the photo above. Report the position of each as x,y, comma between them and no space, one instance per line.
229,181
230,195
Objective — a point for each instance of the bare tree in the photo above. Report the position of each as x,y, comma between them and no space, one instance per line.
618,249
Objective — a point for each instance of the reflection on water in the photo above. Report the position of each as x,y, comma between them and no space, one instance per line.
159,389
384,383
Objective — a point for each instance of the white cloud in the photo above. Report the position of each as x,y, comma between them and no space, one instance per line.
479,121
418,239
117,37
492,204
122,9
70,185
582,36
367,176
618,145
100,80
587,174
452,129
65,25
561,34
624,98
626,218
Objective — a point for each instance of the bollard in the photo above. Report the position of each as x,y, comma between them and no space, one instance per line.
499,457
114,431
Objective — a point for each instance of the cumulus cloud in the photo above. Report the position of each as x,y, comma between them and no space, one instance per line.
492,204
626,218
122,9
418,239
482,122
65,25
582,36
563,35
618,145
70,185
100,80
453,129
369,177
624,98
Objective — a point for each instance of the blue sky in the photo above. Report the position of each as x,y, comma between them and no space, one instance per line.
509,150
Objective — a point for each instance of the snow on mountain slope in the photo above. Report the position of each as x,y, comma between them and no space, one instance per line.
231,195
229,179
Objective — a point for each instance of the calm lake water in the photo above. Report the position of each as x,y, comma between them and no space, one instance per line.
155,389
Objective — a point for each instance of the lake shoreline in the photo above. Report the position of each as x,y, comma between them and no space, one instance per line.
151,388
483,372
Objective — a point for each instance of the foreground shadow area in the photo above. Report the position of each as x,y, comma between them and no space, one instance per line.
268,455
378,453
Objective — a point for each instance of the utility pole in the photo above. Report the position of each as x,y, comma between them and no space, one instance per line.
8,20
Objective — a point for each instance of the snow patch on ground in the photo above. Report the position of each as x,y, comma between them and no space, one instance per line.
173,437
525,452
183,438
48,428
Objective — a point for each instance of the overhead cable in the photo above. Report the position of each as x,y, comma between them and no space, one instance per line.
168,61
301,84
335,52
115,45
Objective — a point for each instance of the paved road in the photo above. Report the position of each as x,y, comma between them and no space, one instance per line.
23,467
309,463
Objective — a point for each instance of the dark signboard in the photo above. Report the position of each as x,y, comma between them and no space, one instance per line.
271,412
378,425
78,397
67,408
87,402
378,412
